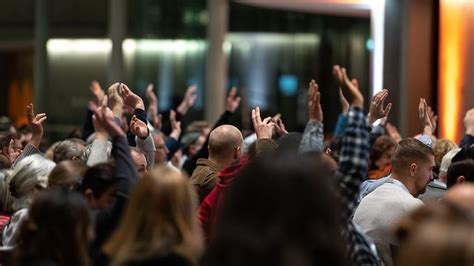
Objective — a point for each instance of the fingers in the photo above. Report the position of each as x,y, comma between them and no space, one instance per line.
355,83
266,120
105,101
191,90
276,117
257,115
30,112
387,109
233,92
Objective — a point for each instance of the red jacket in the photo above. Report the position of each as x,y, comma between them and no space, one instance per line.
210,204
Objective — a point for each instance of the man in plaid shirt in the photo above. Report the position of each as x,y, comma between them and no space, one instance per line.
353,161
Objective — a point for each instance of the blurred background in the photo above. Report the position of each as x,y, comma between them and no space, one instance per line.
51,50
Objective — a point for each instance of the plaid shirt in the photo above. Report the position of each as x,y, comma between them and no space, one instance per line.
352,171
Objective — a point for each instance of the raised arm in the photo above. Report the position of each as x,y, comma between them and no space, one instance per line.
313,136
355,146
264,131
144,140
35,122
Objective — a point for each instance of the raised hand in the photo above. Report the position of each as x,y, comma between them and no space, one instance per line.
175,126
264,128
10,152
376,110
97,91
315,111
469,122
433,118
116,102
138,128
129,98
188,100
232,101
280,128
105,118
344,103
350,88
392,132
36,124
424,116
153,107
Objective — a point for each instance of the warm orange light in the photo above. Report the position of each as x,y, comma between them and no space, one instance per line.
451,67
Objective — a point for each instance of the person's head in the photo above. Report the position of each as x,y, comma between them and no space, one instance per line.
464,154
290,142
192,142
67,175
139,160
462,196
440,148
99,185
225,144
460,172
161,151
381,152
160,218
271,216
412,164
58,228
69,149
436,234
28,177
445,163
5,139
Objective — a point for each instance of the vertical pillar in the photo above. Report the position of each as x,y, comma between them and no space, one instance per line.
40,53
216,70
117,29
408,60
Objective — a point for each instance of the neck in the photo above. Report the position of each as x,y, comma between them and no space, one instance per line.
407,183
221,163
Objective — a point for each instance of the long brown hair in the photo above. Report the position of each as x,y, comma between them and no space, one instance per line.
160,219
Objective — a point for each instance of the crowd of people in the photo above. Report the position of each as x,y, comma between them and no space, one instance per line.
139,187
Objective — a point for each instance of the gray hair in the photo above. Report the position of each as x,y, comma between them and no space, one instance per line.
27,175
68,149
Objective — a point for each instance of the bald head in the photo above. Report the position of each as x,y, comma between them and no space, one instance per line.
461,195
224,140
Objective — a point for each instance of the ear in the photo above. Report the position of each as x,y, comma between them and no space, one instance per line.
460,179
412,169
237,152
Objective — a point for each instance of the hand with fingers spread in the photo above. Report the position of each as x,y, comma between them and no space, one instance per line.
175,126
264,128
314,102
105,118
377,110
424,116
36,124
280,128
469,122
129,98
188,100
138,128
344,103
350,88
97,91
232,101
153,107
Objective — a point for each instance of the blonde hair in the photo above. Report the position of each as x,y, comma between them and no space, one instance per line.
160,219
440,148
